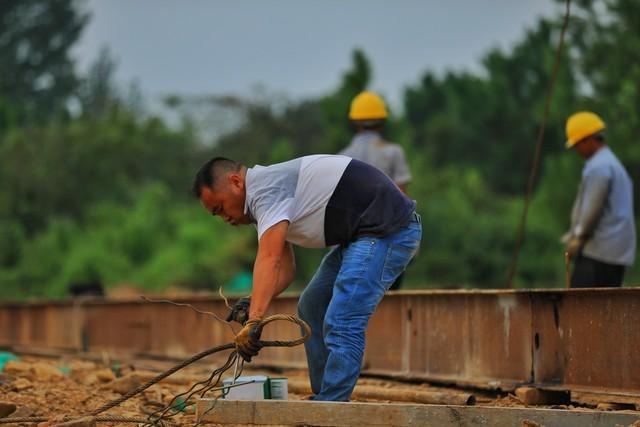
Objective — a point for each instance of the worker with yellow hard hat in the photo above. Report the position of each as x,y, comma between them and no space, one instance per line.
368,106
602,237
367,116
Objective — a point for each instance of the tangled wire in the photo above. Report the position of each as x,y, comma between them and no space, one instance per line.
163,415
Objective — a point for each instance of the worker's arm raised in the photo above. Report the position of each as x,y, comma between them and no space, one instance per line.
274,268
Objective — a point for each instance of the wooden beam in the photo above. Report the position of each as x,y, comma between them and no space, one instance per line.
593,397
538,396
343,414
396,394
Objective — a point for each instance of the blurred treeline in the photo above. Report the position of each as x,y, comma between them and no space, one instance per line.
95,187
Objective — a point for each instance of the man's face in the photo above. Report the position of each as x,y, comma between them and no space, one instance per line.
587,147
227,200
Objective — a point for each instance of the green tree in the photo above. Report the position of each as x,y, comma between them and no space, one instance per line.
36,71
606,43
490,122
335,106
97,92
61,169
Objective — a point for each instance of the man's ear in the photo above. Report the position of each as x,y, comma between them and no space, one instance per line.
235,181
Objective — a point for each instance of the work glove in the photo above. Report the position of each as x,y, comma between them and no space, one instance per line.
574,245
240,311
248,339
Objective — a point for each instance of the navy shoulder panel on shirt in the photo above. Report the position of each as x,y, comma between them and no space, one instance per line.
365,203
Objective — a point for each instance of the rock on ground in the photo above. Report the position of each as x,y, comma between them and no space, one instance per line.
6,409
124,384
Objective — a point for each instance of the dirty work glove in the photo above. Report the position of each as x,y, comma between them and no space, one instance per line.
574,245
248,340
240,311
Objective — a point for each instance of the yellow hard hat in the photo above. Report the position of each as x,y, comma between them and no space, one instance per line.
581,125
367,106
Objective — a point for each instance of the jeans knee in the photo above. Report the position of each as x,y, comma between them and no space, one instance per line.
342,331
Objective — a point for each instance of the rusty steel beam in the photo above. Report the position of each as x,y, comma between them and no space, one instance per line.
573,339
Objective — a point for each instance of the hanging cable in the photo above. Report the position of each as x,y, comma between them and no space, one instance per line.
536,159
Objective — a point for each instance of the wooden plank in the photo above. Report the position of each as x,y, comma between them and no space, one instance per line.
274,412
595,395
537,396
394,394
592,398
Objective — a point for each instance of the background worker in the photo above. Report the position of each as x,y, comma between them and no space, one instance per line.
367,116
317,201
602,237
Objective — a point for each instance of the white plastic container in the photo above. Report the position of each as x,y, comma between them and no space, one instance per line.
258,388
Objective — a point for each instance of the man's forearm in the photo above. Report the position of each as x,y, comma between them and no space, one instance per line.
287,270
270,271
265,284
284,270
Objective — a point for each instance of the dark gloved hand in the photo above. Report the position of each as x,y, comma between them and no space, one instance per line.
248,340
240,311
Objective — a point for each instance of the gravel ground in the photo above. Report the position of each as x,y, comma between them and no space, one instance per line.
72,386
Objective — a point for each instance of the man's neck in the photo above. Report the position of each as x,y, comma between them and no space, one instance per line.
596,150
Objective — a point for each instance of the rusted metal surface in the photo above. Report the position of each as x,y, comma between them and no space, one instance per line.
453,337
599,334
575,339
43,325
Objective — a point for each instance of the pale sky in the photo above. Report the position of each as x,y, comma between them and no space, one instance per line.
296,47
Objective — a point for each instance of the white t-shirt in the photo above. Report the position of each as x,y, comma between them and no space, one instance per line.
327,200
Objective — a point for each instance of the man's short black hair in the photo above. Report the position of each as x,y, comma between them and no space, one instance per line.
210,172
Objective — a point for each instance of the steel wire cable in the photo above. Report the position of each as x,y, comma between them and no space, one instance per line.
538,148
207,385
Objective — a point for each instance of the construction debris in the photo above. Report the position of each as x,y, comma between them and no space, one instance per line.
105,375
17,367
83,386
7,409
21,384
30,392
536,396
46,372
606,406
124,384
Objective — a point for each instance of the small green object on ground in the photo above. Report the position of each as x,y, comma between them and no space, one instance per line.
5,357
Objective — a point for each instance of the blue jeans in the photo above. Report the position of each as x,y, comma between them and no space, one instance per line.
339,301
